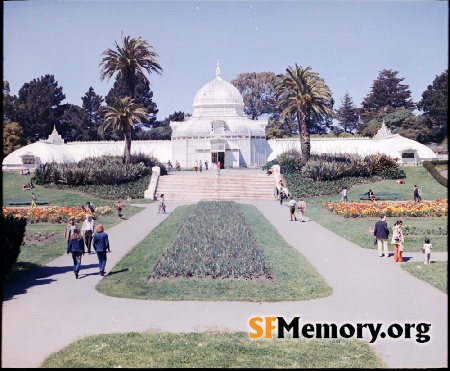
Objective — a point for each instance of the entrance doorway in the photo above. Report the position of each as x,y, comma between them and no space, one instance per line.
218,156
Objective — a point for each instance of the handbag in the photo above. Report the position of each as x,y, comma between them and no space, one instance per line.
375,241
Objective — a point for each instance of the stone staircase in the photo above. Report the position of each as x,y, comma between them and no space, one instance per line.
208,187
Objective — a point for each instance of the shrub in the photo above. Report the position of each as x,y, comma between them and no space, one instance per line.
104,170
430,166
133,189
13,235
393,173
289,161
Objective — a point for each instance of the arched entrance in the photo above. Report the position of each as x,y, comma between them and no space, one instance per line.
218,156
218,151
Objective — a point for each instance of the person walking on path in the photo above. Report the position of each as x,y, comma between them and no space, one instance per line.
398,241
70,228
292,203
101,246
76,247
87,231
196,166
419,194
206,165
200,167
281,196
301,206
33,199
381,232
344,194
162,204
426,250
275,192
119,209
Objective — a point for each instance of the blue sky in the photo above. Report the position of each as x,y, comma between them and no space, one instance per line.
347,42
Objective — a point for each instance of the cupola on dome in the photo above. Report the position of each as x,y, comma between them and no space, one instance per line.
218,98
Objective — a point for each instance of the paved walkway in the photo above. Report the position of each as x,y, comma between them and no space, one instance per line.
48,309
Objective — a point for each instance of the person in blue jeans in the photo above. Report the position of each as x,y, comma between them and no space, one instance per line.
101,246
75,246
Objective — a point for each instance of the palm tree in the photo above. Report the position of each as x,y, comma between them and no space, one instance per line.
303,95
132,59
122,115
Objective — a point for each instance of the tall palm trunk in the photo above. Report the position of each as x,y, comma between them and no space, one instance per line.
127,137
305,145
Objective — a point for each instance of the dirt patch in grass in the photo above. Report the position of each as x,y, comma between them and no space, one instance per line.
39,238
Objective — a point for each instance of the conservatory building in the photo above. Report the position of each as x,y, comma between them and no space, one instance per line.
218,130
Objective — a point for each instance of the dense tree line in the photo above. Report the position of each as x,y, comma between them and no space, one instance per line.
388,100
39,107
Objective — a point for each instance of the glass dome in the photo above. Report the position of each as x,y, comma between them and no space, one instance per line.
218,98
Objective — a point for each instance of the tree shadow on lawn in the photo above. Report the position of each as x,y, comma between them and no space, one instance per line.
37,277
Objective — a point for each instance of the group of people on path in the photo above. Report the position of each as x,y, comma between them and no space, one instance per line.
198,166
301,208
88,237
381,236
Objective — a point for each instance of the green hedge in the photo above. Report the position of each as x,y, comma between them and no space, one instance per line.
430,166
13,235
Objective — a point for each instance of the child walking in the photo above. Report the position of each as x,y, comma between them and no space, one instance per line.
426,249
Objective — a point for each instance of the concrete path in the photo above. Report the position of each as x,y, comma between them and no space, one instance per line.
48,309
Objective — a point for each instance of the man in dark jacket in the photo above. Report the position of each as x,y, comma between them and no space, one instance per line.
381,232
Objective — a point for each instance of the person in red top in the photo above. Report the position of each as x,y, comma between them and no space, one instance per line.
218,167
119,209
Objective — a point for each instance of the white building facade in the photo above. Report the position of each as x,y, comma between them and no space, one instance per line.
218,130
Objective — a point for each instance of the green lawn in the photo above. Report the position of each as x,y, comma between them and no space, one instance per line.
356,230
211,350
219,350
295,278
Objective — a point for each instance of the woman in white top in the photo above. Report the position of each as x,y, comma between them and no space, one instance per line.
87,231
398,241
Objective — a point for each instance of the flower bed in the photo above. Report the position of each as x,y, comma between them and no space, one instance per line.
216,242
53,214
436,208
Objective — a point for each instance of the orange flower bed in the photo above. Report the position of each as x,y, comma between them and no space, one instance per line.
53,214
438,208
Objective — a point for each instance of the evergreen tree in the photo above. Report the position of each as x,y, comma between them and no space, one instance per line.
347,115
8,106
386,95
37,107
143,94
92,105
434,105
73,123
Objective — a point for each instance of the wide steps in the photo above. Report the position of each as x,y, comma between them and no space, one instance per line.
201,186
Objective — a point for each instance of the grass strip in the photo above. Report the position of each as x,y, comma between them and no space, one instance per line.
436,273
211,350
